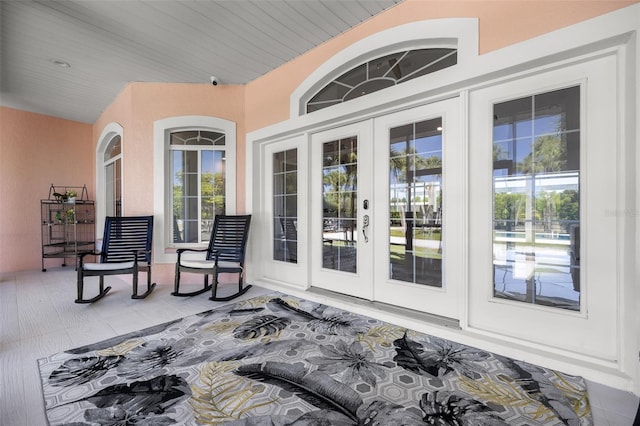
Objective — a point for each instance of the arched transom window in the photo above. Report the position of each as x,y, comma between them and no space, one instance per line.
380,73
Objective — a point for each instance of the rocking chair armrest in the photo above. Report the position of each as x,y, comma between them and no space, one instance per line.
182,250
136,253
82,254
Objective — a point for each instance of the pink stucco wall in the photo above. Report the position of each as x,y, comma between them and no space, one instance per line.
501,23
37,150
119,111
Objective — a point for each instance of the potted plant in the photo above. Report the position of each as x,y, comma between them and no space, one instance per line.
70,195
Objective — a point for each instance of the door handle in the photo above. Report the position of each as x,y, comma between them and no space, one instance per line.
365,225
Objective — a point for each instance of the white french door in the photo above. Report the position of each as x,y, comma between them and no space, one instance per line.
341,219
382,195
283,238
418,209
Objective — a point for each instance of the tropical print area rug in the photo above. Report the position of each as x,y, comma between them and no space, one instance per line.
281,360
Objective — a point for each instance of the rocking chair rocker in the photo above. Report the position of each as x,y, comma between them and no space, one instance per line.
126,249
225,254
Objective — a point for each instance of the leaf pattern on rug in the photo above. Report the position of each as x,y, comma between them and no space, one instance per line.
339,325
245,311
211,318
122,348
336,324
411,356
261,350
152,357
539,389
445,408
383,413
262,301
350,362
264,325
381,335
279,305
440,357
116,416
77,371
222,327
221,396
108,343
316,388
577,396
494,391
313,418
131,403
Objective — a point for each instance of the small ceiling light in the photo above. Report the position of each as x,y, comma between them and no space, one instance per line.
61,64
439,128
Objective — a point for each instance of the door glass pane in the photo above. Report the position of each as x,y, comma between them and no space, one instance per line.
190,196
415,203
212,190
285,206
117,187
536,199
339,204
113,177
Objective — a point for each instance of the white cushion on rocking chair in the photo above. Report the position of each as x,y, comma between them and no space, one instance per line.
228,264
208,264
197,263
113,266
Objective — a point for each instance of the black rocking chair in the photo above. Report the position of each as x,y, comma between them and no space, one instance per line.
225,254
126,249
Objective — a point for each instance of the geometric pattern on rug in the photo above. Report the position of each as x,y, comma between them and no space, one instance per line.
282,360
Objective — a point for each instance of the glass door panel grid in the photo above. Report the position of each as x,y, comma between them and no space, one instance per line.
415,202
340,204
285,206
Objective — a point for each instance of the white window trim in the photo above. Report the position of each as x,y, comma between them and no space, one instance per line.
162,252
109,132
